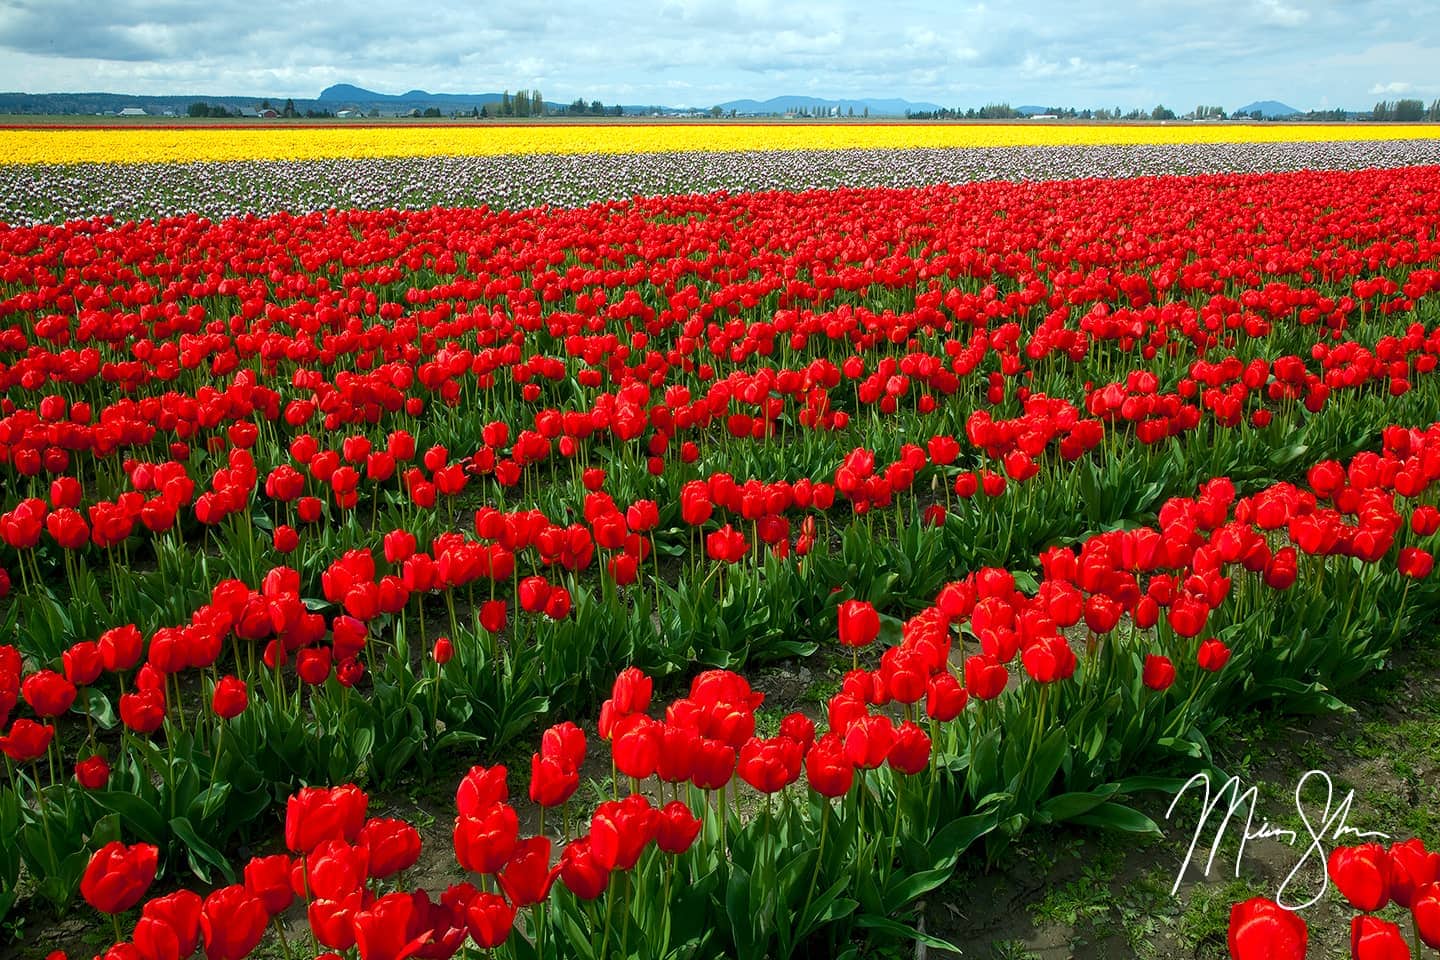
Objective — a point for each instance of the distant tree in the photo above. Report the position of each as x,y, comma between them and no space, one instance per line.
1409,111
507,109
597,108
997,111
264,104
290,112
431,112
619,111
866,112
484,112
537,103
198,109
1381,111
374,112
1433,114
1161,113
717,111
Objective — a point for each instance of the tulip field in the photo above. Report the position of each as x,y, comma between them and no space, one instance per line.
499,476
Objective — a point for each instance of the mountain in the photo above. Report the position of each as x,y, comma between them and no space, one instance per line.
1268,109
786,104
343,95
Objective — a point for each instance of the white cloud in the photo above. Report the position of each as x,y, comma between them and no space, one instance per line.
1047,51
1278,13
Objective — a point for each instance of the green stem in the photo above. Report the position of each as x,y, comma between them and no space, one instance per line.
819,857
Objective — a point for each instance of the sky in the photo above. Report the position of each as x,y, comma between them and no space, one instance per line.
1311,55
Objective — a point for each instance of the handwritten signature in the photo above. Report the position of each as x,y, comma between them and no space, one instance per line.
1329,826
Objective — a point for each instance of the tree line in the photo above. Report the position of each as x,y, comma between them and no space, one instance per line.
1406,111
219,111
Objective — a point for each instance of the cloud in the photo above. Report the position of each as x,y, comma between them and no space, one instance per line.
1393,87
1275,12
707,51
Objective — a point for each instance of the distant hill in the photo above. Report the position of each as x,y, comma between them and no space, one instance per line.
1267,108
343,95
879,107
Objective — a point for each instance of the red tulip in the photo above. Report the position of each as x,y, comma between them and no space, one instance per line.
317,814
526,879
232,922
27,740
828,770
485,841
120,647
868,741
335,869
564,742
391,928
799,728
678,828
620,831
230,698
582,874
490,920
93,773
118,876
859,623
713,764
552,781
1213,655
1362,875
83,663
48,693
985,678
1159,672
169,926
1049,659
1425,906
268,880
910,754
770,765
945,697
631,691
1415,563
1374,939
1261,929
333,921
1411,868
481,789
392,845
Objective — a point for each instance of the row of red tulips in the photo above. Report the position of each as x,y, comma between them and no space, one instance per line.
1370,877
1172,583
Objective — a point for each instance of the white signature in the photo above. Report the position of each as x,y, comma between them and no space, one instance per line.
1330,826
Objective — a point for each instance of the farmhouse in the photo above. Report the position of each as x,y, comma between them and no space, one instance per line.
132,112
